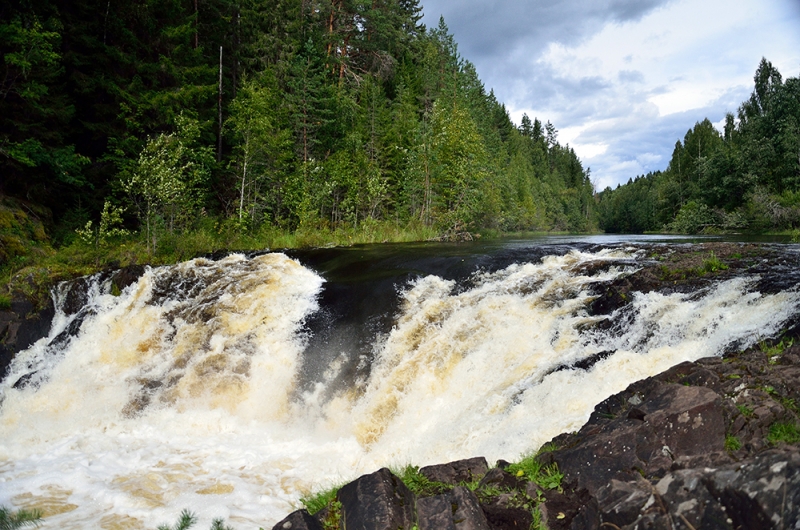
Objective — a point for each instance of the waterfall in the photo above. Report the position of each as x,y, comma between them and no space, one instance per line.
187,390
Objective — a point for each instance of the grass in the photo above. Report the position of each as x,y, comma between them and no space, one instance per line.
5,301
732,443
419,484
783,432
546,476
774,351
712,264
12,520
187,520
33,273
319,500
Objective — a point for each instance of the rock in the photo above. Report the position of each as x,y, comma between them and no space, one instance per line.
621,502
456,472
457,510
299,520
507,518
377,501
502,479
671,421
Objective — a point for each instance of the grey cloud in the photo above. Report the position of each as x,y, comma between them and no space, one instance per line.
630,76
485,28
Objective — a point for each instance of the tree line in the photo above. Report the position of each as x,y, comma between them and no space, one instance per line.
745,177
153,115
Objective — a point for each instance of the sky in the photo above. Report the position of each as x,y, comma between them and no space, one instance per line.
622,80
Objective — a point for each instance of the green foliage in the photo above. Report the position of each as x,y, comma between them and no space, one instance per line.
712,264
420,484
745,411
530,467
744,178
12,520
783,432
320,126
775,350
732,443
317,501
187,520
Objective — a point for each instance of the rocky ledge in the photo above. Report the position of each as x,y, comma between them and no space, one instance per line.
712,444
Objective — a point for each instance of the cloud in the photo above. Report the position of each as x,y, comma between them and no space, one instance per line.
630,76
622,79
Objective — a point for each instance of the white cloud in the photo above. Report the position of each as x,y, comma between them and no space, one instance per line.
623,84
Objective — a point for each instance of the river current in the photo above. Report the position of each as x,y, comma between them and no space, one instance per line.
234,386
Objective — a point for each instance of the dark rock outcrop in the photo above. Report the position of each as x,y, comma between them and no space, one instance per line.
376,501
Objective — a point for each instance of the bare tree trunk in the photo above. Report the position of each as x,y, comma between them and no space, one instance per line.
219,135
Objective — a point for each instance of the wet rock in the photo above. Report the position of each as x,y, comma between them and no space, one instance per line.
457,510
20,327
500,517
559,510
621,502
456,472
299,520
671,421
377,501
502,479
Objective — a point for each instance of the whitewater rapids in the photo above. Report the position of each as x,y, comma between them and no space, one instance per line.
184,390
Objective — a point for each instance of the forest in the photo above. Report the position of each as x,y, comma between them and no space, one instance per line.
150,118
743,178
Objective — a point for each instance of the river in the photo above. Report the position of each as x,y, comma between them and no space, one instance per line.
234,386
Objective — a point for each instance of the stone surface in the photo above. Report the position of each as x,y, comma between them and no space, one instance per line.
456,472
299,520
455,510
377,501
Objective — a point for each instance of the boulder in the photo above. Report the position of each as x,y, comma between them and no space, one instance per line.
455,510
456,472
299,520
378,501
667,422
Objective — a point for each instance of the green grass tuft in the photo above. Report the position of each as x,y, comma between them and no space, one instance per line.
732,443
783,432
712,264
419,484
317,501
12,520
546,476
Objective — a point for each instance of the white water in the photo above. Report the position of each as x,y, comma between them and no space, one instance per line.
186,403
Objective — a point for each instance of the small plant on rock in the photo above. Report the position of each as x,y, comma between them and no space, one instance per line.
546,476
421,485
783,432
732,443
317,501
